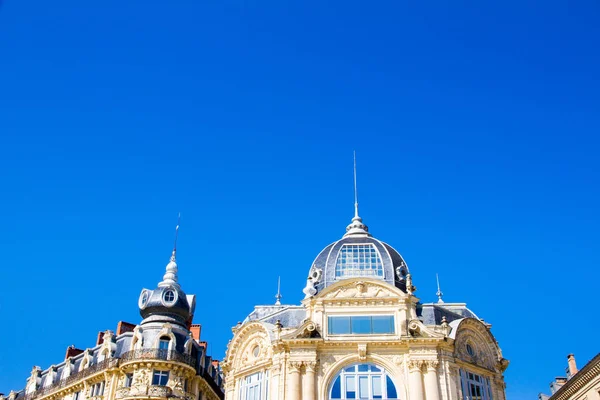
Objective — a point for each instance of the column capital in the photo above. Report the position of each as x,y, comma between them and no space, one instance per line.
432,365
415,365
295,366
310,366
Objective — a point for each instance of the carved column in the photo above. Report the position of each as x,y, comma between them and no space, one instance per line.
293,392
275,376
415,380
452,388
308,382
432,387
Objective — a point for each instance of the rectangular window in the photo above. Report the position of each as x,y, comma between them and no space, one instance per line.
128,380
361,325
255,387
76,395
163,344
475,387
160,378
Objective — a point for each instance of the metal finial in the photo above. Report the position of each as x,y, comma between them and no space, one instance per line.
356,227
278,296
170,276
355,189
439,293
176,235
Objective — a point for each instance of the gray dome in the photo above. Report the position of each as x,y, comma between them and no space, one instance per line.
165,304
357,254
168,302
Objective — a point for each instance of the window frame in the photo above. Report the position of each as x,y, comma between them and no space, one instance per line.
248,388
392,321
362,374
471,380
159,373
359,267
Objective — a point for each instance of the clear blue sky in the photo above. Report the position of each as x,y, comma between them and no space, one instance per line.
476,125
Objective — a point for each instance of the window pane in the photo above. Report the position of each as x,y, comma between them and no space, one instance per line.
383,324
339,325
336,392
377,388
363,368
363,386
361,325
391,389
350,387
358,260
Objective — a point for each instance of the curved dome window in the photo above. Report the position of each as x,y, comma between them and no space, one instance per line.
363,381
169,297
358,260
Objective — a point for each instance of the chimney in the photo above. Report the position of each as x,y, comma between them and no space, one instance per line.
572,365
100,339
123,327
196,329
202,344
72,352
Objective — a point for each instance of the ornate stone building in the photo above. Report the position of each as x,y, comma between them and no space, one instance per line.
160,358
583,384
361,333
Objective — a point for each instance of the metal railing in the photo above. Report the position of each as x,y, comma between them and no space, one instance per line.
158,354
91,370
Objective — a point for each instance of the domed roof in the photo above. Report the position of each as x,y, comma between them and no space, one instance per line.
356,254
168,302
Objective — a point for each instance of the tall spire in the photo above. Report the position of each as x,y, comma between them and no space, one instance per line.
355,189
439,293
278,296
356,227
170,276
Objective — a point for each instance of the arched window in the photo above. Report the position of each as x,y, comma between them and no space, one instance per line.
358,260
163,343
364,382
255,386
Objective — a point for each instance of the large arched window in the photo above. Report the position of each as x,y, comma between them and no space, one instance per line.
364,382
358,260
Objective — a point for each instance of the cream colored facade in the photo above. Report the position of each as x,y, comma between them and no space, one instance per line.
304,360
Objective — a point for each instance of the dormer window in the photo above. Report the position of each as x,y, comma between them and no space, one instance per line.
358,260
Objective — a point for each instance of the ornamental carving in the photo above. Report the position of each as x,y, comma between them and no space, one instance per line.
475,345
362,351
361,289
432,365
415,365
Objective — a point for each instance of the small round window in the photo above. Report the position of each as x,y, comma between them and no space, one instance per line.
143,299
470,350
169,297
255,351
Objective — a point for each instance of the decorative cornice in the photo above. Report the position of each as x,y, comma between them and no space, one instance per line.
579,380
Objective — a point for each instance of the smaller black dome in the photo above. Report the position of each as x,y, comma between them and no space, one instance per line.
165,301
168,302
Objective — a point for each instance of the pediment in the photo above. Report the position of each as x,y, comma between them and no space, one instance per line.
360,289
474,344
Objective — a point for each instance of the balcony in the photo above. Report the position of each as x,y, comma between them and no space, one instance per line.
84,373
158,354
144,391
